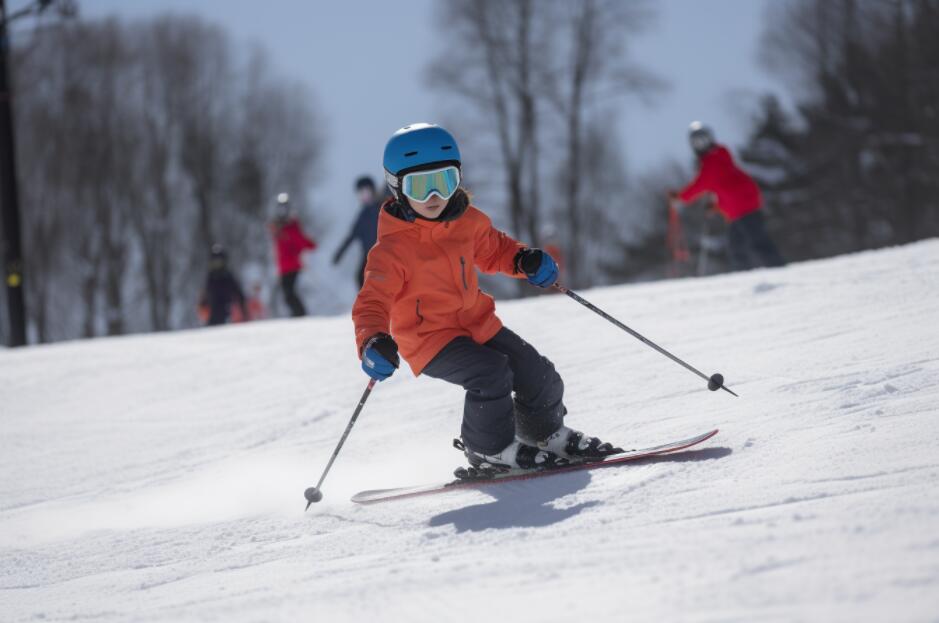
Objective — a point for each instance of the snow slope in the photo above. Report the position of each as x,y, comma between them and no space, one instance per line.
160,478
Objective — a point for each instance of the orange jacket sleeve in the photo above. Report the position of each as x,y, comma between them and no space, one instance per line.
496,250
371,312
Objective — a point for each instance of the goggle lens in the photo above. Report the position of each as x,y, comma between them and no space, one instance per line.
420,185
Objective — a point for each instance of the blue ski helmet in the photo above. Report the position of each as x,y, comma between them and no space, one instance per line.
417,146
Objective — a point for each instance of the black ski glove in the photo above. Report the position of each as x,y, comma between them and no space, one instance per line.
538,266
528,261
380,356
386,347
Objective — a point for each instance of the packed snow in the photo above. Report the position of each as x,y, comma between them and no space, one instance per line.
161,477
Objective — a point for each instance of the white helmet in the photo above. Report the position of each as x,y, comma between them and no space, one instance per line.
700,137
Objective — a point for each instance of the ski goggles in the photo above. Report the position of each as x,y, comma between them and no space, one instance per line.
420,185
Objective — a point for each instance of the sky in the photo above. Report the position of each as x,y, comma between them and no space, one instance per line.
354,53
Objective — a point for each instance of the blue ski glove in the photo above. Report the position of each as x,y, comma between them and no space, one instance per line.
380,356
538,266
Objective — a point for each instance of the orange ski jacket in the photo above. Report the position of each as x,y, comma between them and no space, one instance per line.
421,285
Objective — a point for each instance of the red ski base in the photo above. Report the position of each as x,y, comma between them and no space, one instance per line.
383,495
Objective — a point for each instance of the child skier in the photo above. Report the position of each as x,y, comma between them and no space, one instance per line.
221,292
421,294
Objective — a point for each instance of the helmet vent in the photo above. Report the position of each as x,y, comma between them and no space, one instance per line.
446,147
410,153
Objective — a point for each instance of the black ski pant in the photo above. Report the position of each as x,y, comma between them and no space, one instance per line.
746,238
218,315
288,281
490,373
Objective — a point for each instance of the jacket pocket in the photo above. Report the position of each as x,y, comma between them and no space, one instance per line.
463,272
417,310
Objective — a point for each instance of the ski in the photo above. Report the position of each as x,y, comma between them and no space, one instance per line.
383,495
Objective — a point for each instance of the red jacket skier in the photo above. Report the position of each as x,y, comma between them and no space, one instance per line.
737,196
736,192
290,242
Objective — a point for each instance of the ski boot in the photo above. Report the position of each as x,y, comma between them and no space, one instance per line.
517,456
574,446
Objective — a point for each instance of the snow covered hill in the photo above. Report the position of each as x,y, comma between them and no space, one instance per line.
160,478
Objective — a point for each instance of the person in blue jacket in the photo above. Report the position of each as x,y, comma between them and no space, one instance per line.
365,228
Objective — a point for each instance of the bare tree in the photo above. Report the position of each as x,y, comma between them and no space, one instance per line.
67,103
142,144
277,146
501,63
853,168
540,68
592,67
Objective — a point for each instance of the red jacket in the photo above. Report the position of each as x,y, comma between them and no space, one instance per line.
290,242
421,284
737,193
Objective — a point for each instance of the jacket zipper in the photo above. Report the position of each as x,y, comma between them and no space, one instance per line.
463,272
417,310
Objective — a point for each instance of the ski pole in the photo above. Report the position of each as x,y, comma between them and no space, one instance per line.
675,242
715,381
313,494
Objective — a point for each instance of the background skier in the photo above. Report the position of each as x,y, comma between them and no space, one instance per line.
290,242
365,227
421,291
221,290
738,200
